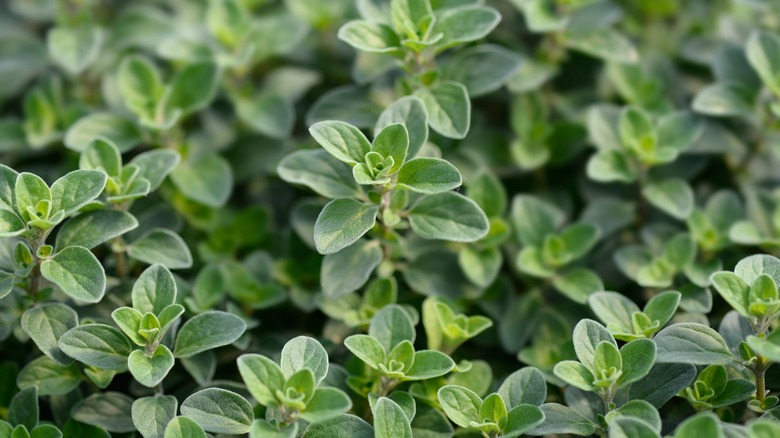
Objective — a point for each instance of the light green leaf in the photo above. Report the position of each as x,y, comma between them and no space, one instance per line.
578,284
29,190
98,345
162,246
111,411
219,411
369,37
193,87
150,370
521,419
763,53
392,141
692,343
391,326
638,357
429,175
342,426
183,427
77,272
703,424
460,404
575,374
49,377
151,415
262,377
76,189
605,43
155,165
560,419
45,324
349,269
92,228
208,180
466,24
207,331
611,166
268,113
524,386
367,349
411,112
448,107
341,223
304,352
102,125
448,216
390,421
533,219
327,403
429,364
724,99
154,290
673,196
587,335
75,47
481,267
343,141
129,321
483,68
11,224
319,171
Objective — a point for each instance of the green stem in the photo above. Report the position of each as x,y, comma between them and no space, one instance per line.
760,373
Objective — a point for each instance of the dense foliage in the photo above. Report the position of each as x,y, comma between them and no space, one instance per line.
389,218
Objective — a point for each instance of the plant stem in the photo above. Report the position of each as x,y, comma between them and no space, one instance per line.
760,372
121,259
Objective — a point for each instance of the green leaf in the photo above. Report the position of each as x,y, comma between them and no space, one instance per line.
524,386
448,216
460,404
575,374
45,324
76,189
390,421
140,86
341,223
630,427
103,155
703,424
343,141
493,409
150,370
262,377
349,269
207,331
29,190
578,284
429,175
692,343
23,409
522,419
267,113
587,335
75,47
219,411
533,219
483,69
607,44
662,306
662,383
753,266
390,326
638,357
611,166
183,427
327,403
763,53
129,321
367,349
409,111
8,179
151,415
193,87
111,411
392,141
49,377
262,428
77,272
208,180
560,419
429,364
342,426
92,228
304,352
155,165
672,196
161,246
11,224
97,345
448,108
466,24
154,290
319,171
102,125
724,99
481,267
369,37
